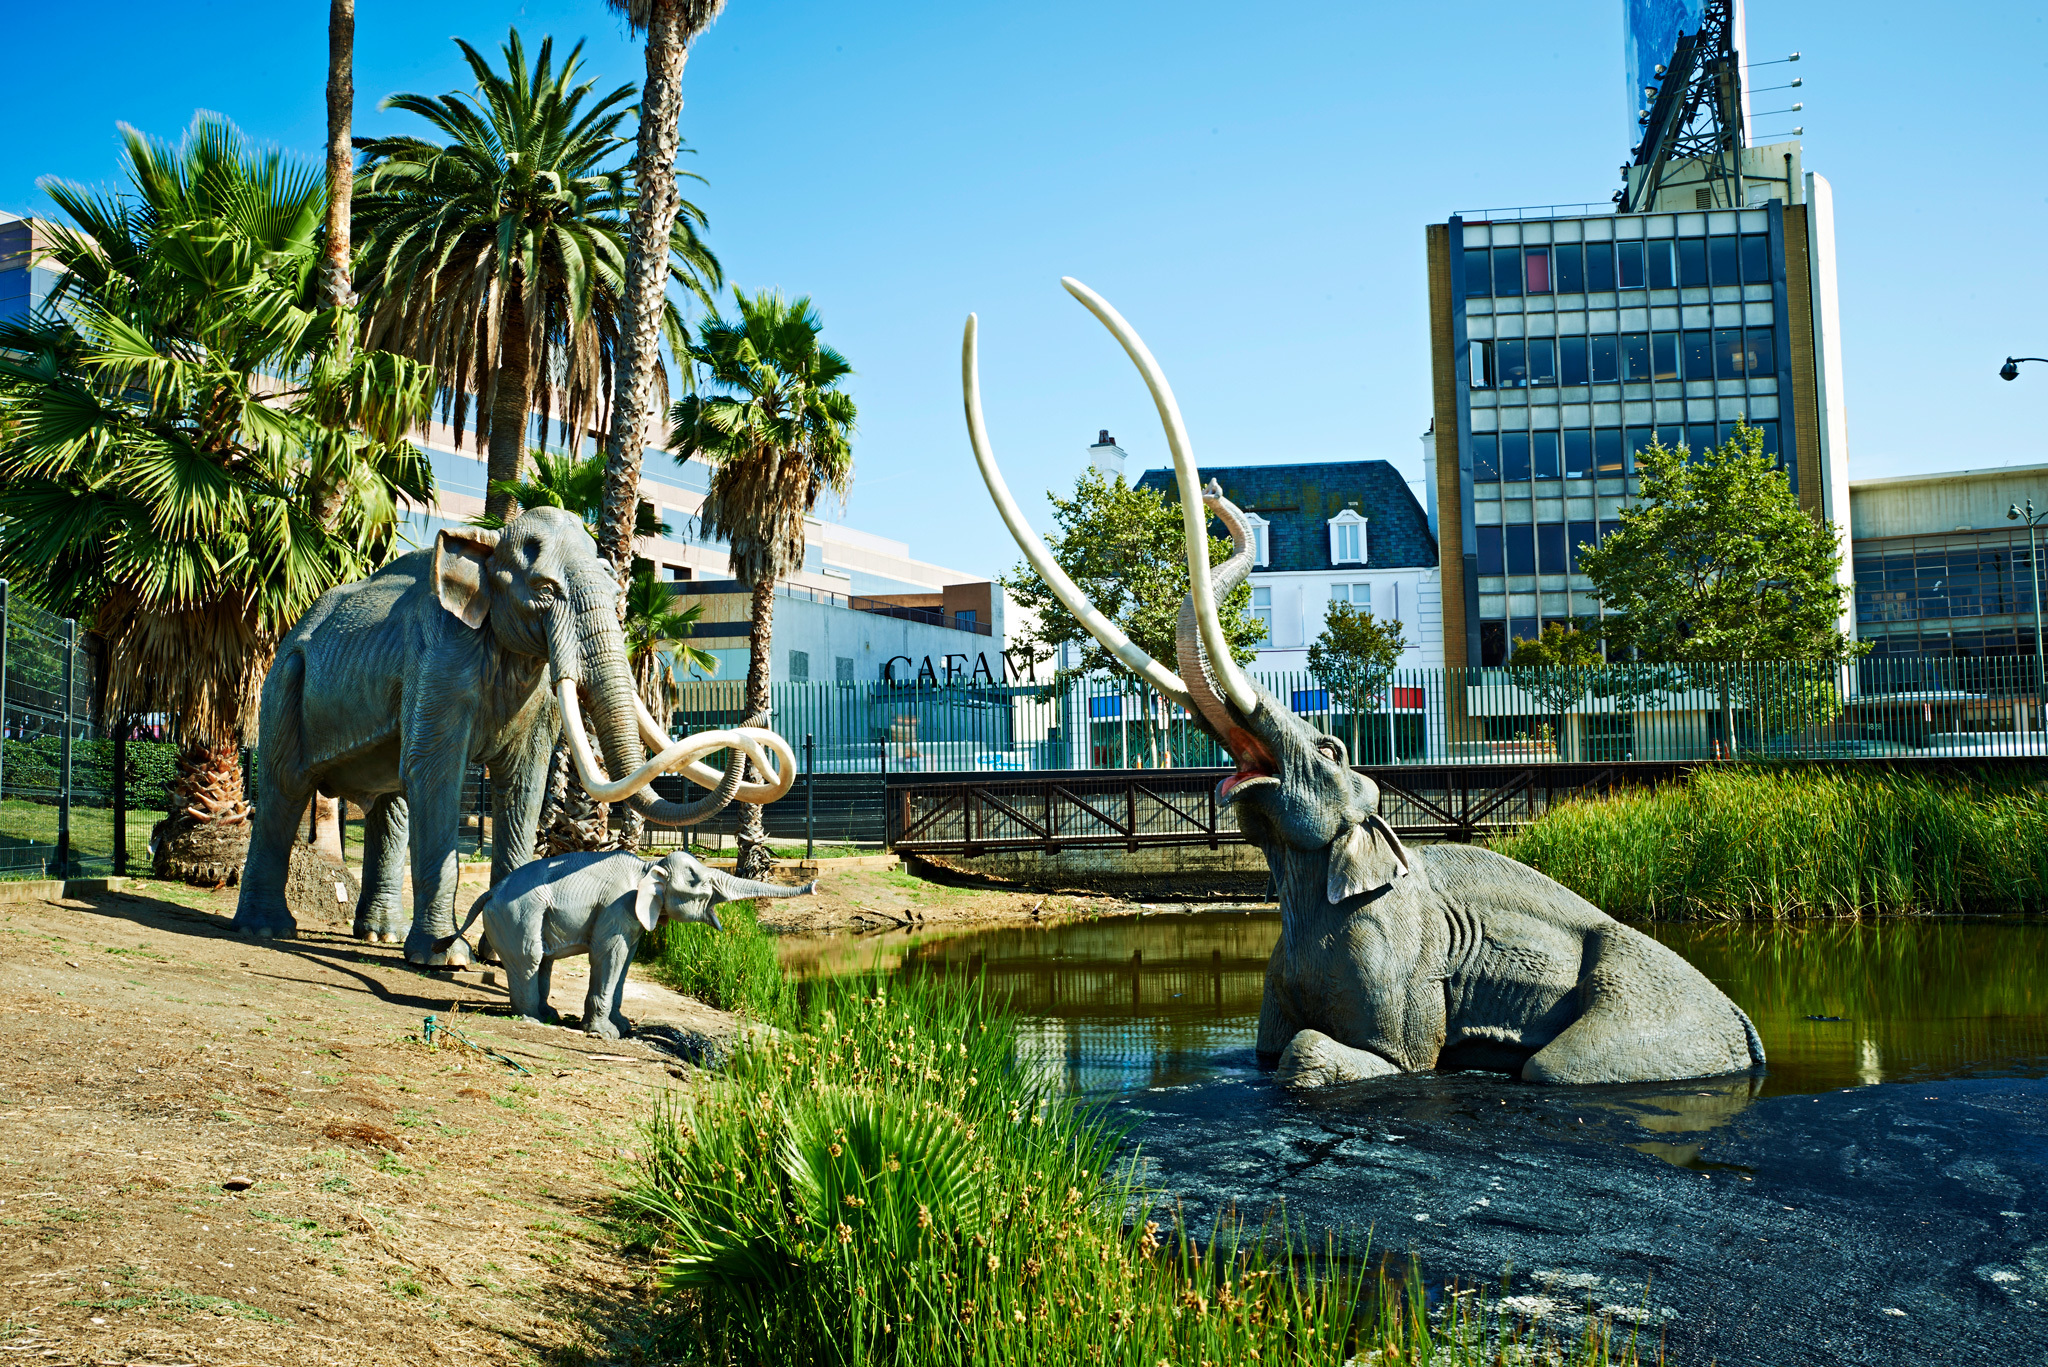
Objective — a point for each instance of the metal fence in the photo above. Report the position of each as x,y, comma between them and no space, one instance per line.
56,780
1956,708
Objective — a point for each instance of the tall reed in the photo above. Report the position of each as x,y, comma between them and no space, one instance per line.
1795,841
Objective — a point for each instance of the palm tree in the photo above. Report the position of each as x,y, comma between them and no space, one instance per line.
559,480
658,642
777,438
498,256
341,99
166,434
670,26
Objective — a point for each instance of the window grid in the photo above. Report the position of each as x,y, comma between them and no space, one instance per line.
1599,267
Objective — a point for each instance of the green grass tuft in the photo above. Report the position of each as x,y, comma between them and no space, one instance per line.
1786,842
733,969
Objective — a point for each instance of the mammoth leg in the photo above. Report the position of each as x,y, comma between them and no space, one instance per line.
1648,1017
434,763
1312,1059
611,953
282,788
519,780
381,916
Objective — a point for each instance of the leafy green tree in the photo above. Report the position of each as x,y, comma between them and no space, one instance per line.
498,255
1354,657
169,434
1126,549
1718,564
777,432
670,26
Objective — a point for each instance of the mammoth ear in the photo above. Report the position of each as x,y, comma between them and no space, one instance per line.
460,554
1366,858
647,899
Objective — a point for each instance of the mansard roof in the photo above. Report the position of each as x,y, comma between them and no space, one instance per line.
1299,501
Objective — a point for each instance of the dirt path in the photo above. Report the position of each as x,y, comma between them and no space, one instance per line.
216,1150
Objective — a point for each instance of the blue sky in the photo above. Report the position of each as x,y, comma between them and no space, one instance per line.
1249,187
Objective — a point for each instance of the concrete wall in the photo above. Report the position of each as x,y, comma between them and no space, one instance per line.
1956,500
829,634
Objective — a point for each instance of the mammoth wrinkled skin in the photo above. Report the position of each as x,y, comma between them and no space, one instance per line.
472,651
1390,959
600,905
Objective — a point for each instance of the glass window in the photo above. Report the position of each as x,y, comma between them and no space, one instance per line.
1344,543
1550,553
1358,595
1514,455
1489,551
1657,264
1571,360
1672,437
1628,261
799,666
1770,431
1479,366
1536,269
1262,539
1692,262
1485,458
1763,353
1507,271
1599,266
1724,260
1478,274
1756,259
1578,453
1544,454
1699,355
1520,543
1262,609
1664,355
1608,529
1636,440
1493,644
1730,357
1580,535
1511,364
1542,361
1607,452
1524,628
1700,437
1604,357
1635,352
1570,267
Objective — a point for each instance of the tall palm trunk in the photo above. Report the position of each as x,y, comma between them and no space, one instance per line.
654,218
341,98
338,270
510,406
754,859
205,837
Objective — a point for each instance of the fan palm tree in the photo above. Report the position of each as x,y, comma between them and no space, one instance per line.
167,432
670,26
658,642
498,255
559,480
777,433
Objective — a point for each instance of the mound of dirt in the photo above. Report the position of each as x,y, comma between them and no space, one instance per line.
319,891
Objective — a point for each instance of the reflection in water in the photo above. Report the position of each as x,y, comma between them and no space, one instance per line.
1160,1001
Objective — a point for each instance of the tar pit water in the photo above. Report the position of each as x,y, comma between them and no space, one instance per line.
1879,1194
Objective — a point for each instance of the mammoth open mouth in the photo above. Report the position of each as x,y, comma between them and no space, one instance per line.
1245,778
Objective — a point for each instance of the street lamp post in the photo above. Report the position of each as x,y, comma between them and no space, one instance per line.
2034,519
2011,369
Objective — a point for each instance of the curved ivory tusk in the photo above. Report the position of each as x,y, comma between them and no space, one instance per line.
747,738
602,789
1065,589
1194,513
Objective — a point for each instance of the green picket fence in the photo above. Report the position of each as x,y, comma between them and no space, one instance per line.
1960,708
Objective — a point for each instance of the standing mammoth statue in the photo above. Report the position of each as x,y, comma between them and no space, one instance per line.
1390,959
477,649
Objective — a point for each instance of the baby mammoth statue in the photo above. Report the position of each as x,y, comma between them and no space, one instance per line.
599,904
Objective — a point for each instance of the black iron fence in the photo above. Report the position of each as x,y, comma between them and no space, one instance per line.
57,773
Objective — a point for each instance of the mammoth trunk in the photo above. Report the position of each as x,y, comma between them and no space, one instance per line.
205,838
